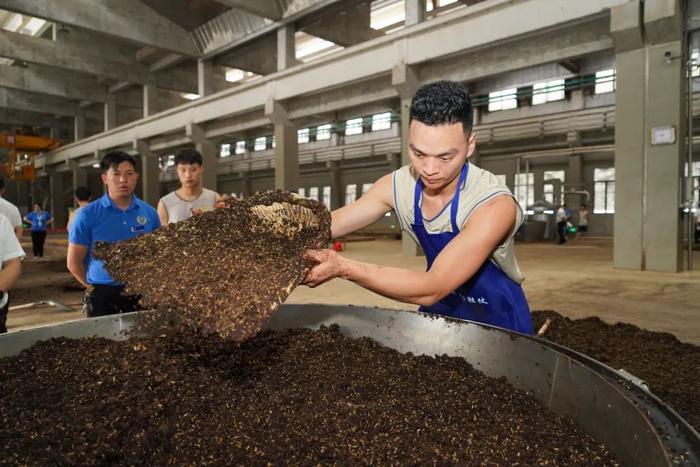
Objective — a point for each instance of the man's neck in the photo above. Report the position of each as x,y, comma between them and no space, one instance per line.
83,203
122,202
189,193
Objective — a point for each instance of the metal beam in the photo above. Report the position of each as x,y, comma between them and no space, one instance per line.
52,82
126,19
415,46
26,117
266,8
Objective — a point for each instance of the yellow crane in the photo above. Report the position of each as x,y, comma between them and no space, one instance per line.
23,148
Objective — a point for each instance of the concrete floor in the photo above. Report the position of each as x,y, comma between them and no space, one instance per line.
576,279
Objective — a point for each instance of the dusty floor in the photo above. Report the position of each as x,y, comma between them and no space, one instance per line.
576,279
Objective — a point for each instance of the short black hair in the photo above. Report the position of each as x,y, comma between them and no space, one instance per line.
188,156
37,203
114,158
443,103
82,193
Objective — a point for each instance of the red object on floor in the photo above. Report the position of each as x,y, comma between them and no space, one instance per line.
337,246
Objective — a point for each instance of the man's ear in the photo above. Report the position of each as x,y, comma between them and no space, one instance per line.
471,144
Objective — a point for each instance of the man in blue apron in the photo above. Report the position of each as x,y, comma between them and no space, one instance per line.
461,215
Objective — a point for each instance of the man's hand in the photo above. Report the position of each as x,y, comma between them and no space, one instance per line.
329,265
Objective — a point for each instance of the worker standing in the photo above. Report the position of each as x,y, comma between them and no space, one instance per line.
117,215
11,211
461,215
82,199
11,255
561,220
191,198
40,220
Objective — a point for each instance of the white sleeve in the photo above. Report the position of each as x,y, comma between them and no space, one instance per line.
15,217
9,246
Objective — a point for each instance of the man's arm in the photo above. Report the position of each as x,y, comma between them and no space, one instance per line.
11,270
76,262
162,213
365,211
484,230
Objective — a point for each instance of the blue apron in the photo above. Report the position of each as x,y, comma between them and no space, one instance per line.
489,296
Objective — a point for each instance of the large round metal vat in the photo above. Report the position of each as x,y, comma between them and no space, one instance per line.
634,424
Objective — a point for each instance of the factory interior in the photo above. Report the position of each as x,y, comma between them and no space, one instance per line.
583,120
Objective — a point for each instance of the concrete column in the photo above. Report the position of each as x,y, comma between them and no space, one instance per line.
150,100
79,179
110,114
150,173
337,189
574,179
650,88
415,11
79,127
286,147
58,205
246,188
405,81
286,47
205,78
208,151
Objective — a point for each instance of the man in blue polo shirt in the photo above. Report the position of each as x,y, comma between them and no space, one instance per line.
117,215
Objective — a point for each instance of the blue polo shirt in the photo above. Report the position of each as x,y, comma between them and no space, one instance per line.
39,220
102,221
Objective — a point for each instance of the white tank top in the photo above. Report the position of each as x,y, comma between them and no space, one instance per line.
481,186
178,209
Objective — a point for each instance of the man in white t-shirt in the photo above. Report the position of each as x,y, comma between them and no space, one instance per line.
561,219
10,211
11,254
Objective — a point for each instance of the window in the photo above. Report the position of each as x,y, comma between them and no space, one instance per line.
225,150
366,187
240,147
604,81
327,197
604,191
272,142
313,193
303,135
501,179
503,100
302,191
695,67
525,189
353,127
170,160
381,121
696,183
323,132
548,188
350,194
260,144
548,92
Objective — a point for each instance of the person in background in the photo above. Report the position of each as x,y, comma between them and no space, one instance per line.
40,221
561,220
117,215
11,255
82,199
11,211
191,198
583,219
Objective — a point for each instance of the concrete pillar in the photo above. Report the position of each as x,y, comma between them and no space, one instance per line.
286,147
246,188
58,204
150,100
150,173
574,180
79,127
650,88
205,78
208,151
79,179
405,81
286,47
415,11
337,189
110,114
